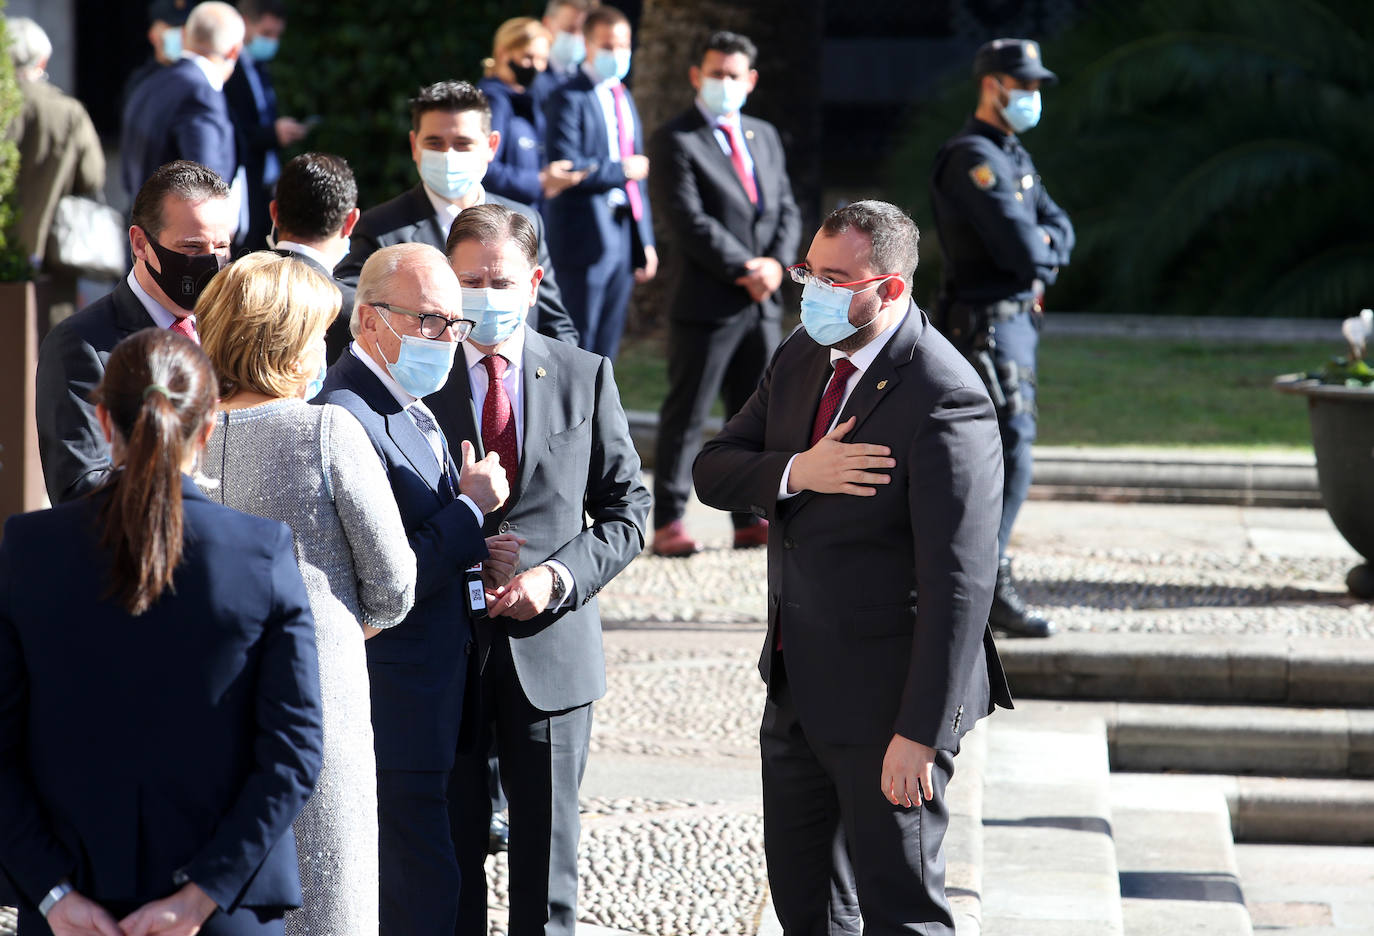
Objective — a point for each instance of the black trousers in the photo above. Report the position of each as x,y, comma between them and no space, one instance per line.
418,868
542,757
705,360
837,850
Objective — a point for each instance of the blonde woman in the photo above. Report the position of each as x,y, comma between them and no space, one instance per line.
515,86
262,322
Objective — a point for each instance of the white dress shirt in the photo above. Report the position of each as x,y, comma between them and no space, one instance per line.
446,212
723,138
862,360
160,316
306,250
479,379
407,400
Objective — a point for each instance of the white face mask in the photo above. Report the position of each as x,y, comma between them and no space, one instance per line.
497,312
451,174
724,95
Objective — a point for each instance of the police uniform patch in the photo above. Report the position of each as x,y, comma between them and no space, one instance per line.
983,176
1030,51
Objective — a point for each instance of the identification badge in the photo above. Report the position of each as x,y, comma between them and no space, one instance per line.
477,596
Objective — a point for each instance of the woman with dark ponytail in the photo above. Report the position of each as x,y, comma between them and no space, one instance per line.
160,722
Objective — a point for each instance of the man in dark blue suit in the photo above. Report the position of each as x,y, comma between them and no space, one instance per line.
252,100
180,112
180,236
601,233
451,142
419,669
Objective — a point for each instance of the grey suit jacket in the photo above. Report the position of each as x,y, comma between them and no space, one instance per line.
71,362
577,461
714,227
409,219
882,601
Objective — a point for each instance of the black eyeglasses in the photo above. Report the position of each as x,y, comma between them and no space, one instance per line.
432,324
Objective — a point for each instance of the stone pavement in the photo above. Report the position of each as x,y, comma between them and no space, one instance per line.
672,834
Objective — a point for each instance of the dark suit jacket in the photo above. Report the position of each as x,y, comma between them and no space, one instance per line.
257,134
582,224
71,362
883,601
578,460
418,668
175,114
409,218
714,227
338,336
185,740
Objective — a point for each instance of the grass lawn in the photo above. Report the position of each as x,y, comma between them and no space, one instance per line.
1101,391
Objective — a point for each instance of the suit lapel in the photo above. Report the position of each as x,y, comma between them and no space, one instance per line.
400,428
883,374
130,316
764,175
721,165
426,225
453,406
540,385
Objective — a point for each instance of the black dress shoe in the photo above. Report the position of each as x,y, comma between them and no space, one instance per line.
1009,613
498,839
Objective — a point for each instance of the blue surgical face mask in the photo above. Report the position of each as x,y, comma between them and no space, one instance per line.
171,44
612,64
263,48
423,364
567,51
724,96
825,311
497,312
451,174
1023,109
316,383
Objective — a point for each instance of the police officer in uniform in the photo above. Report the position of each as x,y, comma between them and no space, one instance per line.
1003,240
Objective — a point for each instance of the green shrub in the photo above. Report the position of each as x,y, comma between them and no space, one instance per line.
356,64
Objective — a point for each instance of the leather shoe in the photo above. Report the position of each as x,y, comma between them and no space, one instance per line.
672,542
752,536
498,838
1009,613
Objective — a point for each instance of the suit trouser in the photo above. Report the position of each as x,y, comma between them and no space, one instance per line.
705,359
542,758
242,922
836,848
598,296
418,864
1017,340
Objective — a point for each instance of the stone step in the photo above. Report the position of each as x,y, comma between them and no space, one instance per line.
1193,668
1229,739
1049,866
1176,857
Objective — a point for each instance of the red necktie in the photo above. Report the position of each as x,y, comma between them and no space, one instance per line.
624,130
746,178
184,326
830,400
498,422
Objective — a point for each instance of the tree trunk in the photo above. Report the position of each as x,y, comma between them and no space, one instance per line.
788,36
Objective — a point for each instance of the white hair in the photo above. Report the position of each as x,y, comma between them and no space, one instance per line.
214,28
378,275
30,47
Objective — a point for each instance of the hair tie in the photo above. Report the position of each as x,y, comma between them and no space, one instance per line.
159,388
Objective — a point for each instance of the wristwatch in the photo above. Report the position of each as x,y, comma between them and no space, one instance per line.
560,588
60,889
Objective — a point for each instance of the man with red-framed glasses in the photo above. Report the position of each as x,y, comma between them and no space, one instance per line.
872,449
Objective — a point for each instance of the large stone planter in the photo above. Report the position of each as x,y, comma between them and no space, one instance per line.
21,473
1342,420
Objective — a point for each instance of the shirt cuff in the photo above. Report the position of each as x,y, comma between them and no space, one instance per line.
786,474
476,511
566,575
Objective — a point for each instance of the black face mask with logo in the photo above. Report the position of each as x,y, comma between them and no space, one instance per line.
182,278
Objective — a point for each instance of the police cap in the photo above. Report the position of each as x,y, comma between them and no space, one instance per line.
1019,58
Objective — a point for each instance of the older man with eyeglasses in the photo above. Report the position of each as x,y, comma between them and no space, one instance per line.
406,326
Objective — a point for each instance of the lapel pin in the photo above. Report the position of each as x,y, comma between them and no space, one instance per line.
749,134
539,372
882,384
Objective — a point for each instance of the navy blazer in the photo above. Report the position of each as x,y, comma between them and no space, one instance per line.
418,669
581,220
71,363
882,601
409,219
175,114
519,119
139,753
578,461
